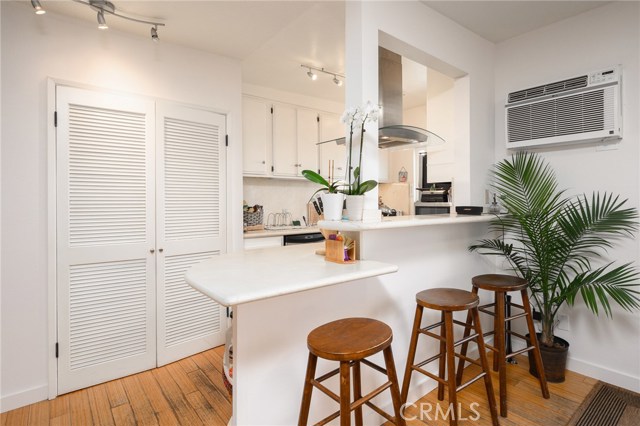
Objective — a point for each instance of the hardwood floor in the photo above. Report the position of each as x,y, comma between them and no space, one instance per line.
191,392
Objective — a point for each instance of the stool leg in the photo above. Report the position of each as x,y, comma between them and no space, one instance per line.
500,353
443,355
451,368
345,394
357,391
485,367
536,346
412,354
395,389
465,345
308,388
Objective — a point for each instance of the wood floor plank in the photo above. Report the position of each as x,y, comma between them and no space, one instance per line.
181,407
100,406
212,394
206,412
80,408
188,365
181,378
142,410
164,411
212,373
39,414
59,406
123,415
116,393
63,420
18,417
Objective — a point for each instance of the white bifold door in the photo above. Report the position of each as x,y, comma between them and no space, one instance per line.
140,193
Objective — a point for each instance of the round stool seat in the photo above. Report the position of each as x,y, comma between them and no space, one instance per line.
498,282
349,339
447,299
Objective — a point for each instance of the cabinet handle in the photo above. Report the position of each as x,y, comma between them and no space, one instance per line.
152,251
160,250
264,162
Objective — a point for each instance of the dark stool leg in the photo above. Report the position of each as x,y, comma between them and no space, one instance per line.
500,353
308,388
357,391
465,345
395,389
443,355
536,346
345,394
451,368
485,367
412,354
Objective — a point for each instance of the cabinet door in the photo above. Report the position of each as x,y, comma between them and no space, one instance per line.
256,136
105,237
332,128
307,130
285,156
191,194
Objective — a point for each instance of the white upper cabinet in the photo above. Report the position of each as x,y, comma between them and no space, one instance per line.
256,134
285,134
280,140
332,128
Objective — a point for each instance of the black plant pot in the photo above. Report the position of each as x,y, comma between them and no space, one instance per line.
554,359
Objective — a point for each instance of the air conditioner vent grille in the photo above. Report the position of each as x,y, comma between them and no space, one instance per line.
568,115
547,89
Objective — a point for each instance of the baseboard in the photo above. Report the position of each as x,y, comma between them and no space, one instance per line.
596,371
20,399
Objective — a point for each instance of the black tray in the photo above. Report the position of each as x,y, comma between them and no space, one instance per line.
469,210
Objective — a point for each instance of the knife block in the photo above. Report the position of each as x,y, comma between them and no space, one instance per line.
313,215
334,252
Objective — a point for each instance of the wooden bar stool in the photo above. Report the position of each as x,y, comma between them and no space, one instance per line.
350,341
501,285
448,300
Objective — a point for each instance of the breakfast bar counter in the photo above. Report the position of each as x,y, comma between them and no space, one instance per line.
279,295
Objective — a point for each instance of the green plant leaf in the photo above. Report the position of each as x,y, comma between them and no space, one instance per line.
315,177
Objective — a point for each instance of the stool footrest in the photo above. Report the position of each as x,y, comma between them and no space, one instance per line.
518,335
521,351
472,361
325,390
326,376
357,403
426,373
516,316
375,408
374,366
466,339
428,360
475,379
328,419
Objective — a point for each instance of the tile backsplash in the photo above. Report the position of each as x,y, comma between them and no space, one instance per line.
278,194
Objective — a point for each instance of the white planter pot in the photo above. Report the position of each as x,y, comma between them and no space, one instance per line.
355,205
332,204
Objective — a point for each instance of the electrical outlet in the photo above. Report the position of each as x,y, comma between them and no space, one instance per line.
563,323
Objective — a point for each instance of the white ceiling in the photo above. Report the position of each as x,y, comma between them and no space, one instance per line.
273,38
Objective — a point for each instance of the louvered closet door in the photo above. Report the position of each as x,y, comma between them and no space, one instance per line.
105,230
191,213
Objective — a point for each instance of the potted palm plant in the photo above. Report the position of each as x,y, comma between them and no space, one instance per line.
551,240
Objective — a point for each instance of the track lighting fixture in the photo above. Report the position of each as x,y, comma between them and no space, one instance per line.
313,76
102,24
105,6
38,7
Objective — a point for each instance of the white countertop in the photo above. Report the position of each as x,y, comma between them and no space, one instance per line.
248,276
404,222
280,232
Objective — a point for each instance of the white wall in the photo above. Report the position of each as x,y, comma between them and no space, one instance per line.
600,347
33,49
423,35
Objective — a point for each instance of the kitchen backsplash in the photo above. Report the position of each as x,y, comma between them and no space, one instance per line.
277,194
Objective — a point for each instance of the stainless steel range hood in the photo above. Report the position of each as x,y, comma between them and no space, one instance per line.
392,133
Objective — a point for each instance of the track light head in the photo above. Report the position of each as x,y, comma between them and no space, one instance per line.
154,33
38,7
102,24
313,76
336,81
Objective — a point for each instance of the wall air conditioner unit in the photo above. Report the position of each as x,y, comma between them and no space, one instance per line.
580,109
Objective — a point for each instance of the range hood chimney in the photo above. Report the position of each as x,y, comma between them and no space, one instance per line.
392,132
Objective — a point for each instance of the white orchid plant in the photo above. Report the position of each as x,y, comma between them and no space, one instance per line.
357,118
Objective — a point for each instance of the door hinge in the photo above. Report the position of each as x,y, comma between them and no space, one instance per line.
318,118
271,110
226,140
57,350
272,168
55,118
